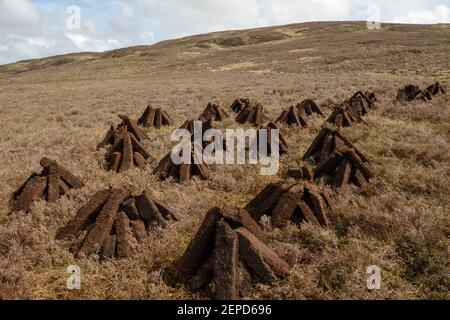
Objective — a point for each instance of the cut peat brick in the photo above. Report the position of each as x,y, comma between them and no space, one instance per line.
292,117
155,118
113,223
292,202
213,112
254,115
53,182
225,255
308,107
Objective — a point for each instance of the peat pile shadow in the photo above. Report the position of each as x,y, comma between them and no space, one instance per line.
292,202
155,118
411,93
213,112
53,182
227,254
254,115
292,117
337,159
114,223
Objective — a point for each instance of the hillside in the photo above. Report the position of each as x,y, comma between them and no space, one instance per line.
61,107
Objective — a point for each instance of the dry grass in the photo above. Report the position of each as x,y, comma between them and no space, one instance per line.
399,222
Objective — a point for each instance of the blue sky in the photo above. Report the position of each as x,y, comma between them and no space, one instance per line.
38,28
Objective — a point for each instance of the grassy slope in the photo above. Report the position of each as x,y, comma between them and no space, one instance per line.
400,222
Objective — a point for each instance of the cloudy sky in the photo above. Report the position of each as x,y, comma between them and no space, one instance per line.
39,28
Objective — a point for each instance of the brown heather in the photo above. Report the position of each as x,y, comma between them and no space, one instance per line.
62,107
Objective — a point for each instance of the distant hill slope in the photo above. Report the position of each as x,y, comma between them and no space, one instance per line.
318,46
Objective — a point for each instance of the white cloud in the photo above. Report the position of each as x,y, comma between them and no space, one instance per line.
439,14
31,28
87,43
18,14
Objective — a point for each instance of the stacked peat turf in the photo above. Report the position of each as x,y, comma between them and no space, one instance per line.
213,112
253,114
325,143
190,125
126,152
304,173
344,166
292,202
435,89
155,118
360,103
182,173
338,159
343,116
226,254
292,117
53,182
282,144
240,104
411,92
308,107
116,134
113,223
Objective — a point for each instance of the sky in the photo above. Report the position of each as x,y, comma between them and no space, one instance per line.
38,28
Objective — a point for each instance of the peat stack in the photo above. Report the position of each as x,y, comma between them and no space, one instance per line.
292,202
240,104
53,182
308,107
325,143
343,116
190,124
343,166
182,173
226,254
292,117
253,114
116,134
283,146
300,174
126,152
155,118
213,112
113,223
435,89
411,92
360,103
